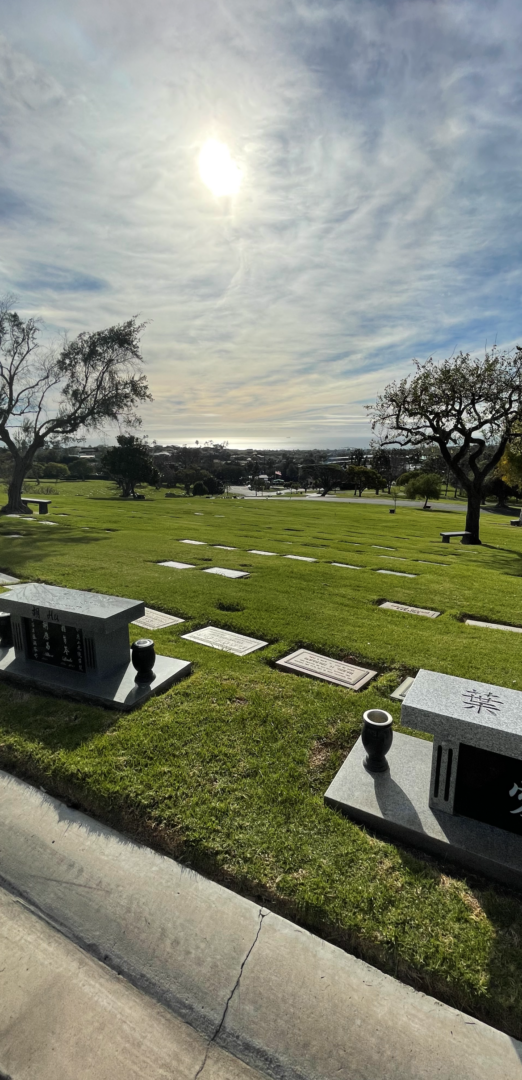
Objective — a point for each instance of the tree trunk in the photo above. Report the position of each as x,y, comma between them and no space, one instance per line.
473,518
14,503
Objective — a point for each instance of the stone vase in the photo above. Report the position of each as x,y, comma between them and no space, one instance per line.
377,737
143,659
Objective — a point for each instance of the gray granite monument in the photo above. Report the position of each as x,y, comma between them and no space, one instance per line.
459,797
77,643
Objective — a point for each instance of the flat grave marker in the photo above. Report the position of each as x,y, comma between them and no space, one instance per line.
305,662
347,566
6,579
178,565
396,573
224,547
200,543
13,536
383,547
223,572
225,640
254,551
156,620
408,610
300,558
493,626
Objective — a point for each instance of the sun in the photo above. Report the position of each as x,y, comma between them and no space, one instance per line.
218,170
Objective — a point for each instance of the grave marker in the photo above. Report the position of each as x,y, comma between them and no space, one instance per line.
347,566
156,620
225,640
200,543
300,558
395,573
178,565
224,547
253,551
390,606
493,626
461,797
223,572
77,643
304,662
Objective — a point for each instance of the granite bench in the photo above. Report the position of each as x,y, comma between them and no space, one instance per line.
43,504
446,536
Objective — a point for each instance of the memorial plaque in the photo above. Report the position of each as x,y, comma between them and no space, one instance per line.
223,572
6,579
156,620
300,558
493,626
347,566
410,610
253,551
396,573
225,640
54,643
224,547
382,547
200,543
489,788
178,565
304,662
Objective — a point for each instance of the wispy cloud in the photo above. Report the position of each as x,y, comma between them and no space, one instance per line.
379,215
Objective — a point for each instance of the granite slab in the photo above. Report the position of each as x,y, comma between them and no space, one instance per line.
300,558
116,691
305,662
400,693
90,611
493,626
156,620
224,547
178,565
347,566
396,573
390,606
6,579
13,536
383,547
396,803
465,710
223,572
225,640
200,543
254,551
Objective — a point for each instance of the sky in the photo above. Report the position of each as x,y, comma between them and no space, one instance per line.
377,217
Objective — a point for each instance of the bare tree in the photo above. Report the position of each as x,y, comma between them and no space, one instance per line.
47,396
462,405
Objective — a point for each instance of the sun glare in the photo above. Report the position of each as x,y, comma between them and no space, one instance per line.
218,170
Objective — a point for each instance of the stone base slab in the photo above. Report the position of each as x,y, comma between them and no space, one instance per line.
396,803
117,691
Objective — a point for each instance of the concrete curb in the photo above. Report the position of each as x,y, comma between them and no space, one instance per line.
277,997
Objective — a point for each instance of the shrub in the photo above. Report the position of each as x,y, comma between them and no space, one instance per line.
199,488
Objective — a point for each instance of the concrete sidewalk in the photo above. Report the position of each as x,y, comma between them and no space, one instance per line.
66,1016
248,981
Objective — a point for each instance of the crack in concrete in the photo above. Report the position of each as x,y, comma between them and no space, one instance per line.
215,1036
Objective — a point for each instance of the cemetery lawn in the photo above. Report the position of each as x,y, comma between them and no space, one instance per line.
227,770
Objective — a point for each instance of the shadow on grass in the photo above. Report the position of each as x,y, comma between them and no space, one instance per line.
27,552
49,721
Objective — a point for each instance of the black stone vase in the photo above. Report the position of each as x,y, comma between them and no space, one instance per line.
143,659
6,633
377,737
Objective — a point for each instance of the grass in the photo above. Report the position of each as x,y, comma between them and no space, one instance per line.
228,769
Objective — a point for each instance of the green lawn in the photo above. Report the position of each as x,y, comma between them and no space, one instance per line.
228,769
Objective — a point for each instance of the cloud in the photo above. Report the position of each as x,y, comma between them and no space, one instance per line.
379,215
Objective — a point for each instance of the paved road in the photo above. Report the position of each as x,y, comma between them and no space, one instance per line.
107,912
456,508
